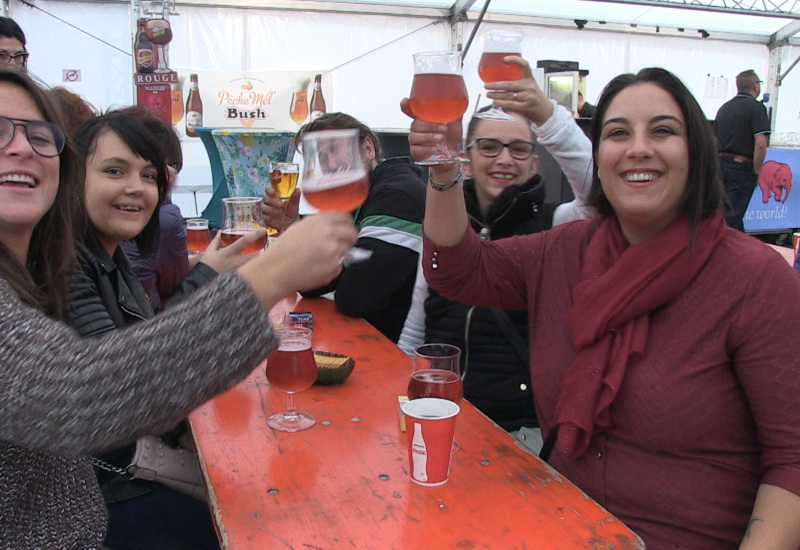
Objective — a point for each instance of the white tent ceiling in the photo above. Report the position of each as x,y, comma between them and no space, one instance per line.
764,21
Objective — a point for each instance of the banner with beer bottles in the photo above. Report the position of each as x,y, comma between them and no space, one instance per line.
276,100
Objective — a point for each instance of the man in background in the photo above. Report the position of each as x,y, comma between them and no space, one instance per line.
585,109
12,45
742,129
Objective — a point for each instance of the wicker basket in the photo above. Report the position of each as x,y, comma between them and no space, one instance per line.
332,368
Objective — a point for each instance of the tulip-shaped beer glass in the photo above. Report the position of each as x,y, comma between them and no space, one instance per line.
239,216
335,175
498,44
438,94
291,368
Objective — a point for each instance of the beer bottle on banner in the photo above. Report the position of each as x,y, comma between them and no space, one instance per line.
143,50
194,108
317,101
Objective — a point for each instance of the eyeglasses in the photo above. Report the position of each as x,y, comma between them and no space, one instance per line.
18,58
491,148
45,138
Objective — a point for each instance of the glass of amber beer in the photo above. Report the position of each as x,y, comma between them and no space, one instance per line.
438,94
197,238
335,175
291,368
283,178
298,108
240,215
498,44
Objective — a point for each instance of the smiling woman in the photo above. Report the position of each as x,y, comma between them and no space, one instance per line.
63,397
676,412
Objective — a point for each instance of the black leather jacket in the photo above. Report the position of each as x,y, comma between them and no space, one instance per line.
106,295
496,376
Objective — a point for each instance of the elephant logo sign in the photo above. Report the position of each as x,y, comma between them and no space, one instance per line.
775,179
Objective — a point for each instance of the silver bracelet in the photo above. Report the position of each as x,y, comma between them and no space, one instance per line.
444,186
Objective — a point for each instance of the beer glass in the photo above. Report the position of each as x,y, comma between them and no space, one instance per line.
499,43
159,32
298,109
283,178
438,94
197,238
291,368
335,175
437,373
240,215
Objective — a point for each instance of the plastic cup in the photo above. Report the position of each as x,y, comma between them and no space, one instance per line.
430,425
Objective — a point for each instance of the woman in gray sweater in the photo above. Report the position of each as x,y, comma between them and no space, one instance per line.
63,398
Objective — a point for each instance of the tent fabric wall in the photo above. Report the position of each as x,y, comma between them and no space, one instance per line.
368,56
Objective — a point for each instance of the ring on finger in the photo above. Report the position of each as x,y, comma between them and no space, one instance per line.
515,96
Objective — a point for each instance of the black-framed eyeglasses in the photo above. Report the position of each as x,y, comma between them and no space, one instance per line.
491,148
46,139
17,58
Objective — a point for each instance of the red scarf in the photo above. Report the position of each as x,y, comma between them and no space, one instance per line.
609,319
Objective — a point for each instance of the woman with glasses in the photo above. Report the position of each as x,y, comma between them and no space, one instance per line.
505,196
12,45
63,397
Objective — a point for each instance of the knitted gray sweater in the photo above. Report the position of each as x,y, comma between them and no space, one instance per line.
63,398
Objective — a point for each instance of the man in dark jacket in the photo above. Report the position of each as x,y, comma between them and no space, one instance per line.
379,289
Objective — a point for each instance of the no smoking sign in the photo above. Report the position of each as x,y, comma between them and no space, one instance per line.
72,75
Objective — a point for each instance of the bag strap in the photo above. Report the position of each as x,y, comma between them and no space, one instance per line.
513,336
549,444
522,350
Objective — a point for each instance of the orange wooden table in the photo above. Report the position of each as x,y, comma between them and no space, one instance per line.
344,483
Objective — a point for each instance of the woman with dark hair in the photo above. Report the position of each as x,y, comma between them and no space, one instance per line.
126,181
162,271
664,394
63,397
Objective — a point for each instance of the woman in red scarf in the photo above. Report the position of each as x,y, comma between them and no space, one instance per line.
667,395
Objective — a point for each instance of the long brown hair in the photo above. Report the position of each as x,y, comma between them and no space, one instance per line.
42,283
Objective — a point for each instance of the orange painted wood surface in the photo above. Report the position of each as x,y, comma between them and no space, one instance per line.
344,483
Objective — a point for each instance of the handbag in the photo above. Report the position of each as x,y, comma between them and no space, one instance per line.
178,469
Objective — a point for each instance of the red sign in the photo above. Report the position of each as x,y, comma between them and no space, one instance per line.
153,93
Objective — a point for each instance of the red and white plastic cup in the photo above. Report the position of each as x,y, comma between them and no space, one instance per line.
430,426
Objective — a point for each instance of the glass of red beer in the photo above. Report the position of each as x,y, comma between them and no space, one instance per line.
197,238
335,175
291,368
498,44
437,373
239,216
439,95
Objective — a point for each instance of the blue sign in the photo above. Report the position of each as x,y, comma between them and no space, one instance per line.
774,206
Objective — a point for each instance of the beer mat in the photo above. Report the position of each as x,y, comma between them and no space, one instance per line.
332,368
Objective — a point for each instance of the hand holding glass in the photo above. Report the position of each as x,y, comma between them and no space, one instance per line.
291,368
499,44
438,95
239,216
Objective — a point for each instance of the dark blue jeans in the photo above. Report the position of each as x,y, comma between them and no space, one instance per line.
162,519
740,181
